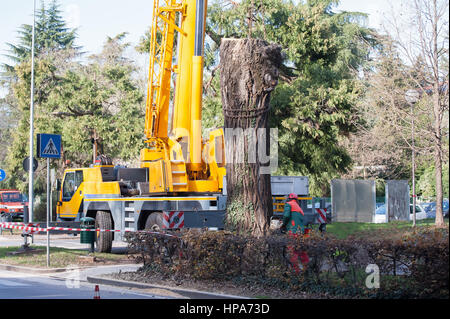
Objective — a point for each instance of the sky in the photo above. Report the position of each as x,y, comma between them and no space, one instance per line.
97,19
94,19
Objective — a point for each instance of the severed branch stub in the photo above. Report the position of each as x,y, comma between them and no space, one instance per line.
249,71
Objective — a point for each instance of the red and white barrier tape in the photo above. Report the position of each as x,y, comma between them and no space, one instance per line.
21,226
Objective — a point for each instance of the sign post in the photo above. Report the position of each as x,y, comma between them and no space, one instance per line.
49,146
52,185
2,175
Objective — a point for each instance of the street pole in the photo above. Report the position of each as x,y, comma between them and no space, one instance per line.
412,96
51,202
48,211
413,165
31,181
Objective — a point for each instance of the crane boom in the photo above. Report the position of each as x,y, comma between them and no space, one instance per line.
178,160
160,67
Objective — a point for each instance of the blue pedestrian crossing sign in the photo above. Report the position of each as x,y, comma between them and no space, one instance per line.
49,146
2,175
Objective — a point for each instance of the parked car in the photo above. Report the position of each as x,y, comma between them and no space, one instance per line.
431,209
12,203
425,206
380,214
445,207
378,205
420,213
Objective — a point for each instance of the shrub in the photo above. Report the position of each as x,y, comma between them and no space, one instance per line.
412,267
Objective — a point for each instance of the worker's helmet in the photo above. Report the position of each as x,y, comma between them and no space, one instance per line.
292,196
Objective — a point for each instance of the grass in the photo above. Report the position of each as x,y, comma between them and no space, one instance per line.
343,230
59,257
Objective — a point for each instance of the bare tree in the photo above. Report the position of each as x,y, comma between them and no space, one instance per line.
381,147
424,45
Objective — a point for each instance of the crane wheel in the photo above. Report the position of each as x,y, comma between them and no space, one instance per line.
103,239
154,222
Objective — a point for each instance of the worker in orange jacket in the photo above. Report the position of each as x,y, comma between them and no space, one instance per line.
293,223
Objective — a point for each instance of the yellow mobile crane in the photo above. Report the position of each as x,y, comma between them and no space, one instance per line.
180,181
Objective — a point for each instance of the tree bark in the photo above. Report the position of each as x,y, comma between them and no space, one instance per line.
249,70
439,221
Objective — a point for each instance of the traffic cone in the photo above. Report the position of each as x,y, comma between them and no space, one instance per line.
97,292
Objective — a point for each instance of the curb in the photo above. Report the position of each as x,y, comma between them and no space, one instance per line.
188,293
31,270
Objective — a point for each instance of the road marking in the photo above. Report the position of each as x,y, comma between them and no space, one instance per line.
47,296
9,283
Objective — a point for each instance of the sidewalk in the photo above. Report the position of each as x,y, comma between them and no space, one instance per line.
98,275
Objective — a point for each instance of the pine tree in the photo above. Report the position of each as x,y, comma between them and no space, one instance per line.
51,34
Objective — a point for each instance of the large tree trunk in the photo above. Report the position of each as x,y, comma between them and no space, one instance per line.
248,74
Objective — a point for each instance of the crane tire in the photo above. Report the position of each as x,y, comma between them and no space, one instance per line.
154,222
103,239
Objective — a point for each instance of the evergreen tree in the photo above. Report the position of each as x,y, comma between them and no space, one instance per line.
77,101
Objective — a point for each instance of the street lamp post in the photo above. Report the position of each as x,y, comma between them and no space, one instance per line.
31,181
412,96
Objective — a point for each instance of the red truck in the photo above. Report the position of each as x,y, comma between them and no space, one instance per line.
12,203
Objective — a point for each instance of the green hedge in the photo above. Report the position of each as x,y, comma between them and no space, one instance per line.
412,267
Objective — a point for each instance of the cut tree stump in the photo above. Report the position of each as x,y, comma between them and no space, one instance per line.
249,71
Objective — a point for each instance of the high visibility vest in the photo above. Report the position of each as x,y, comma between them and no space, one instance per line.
295,207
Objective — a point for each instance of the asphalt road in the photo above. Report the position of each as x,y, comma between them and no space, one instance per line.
15,285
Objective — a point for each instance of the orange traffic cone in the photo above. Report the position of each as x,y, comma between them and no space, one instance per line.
97,292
